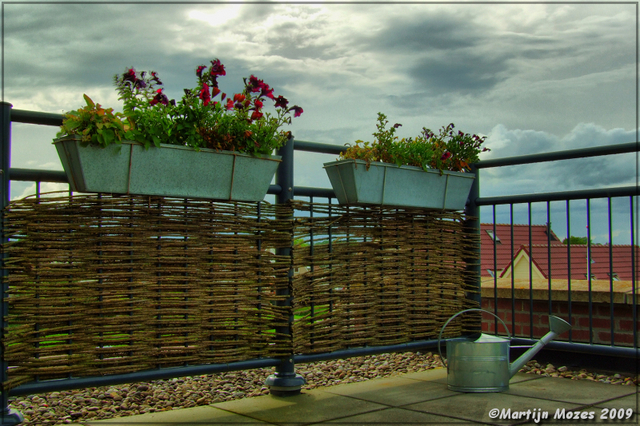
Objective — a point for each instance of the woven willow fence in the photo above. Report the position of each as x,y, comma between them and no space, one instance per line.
378,276
104,284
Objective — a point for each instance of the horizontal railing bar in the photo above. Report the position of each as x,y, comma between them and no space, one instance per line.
584,348
33,175
141,376
274,189
307,191
560,155
36,175
371,350
621,191
35,117
322,148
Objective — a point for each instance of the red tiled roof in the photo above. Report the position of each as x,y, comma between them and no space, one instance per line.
503,249
600,270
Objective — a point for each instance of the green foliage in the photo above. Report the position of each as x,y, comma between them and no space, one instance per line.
95,125
576,240
197,120
447,150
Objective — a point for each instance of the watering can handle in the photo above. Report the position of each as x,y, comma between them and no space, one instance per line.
462,312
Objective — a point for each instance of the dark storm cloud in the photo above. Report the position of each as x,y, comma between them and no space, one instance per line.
73,43
425,33
458,73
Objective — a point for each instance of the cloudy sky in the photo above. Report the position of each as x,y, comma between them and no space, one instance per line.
532,77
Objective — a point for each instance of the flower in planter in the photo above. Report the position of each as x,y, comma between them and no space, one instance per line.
448,150
201,119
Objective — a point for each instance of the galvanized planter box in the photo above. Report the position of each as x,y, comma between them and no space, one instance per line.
170,171
398,186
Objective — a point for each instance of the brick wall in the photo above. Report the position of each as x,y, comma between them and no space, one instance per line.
600,320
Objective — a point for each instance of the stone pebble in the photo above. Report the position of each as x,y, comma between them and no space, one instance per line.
96,403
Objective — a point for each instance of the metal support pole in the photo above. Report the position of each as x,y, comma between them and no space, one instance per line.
472,212
9,417
285,381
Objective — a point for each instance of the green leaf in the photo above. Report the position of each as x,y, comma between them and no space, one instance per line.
89,101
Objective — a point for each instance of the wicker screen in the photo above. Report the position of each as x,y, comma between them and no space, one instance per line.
374,276
102,284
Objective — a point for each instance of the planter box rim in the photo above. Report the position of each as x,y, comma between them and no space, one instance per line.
168,170
395,166
277,158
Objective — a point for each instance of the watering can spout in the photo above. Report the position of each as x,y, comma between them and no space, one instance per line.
557,326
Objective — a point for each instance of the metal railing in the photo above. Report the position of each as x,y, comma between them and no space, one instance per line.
284,190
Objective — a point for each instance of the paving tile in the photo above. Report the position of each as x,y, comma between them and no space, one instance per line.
202,416
439,375
477,407
395,417
629,401
394,391
560,389
309,407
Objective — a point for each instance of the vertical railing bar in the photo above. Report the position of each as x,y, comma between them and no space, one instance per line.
530,275
634,305
330,236
569,268
589,271
611,307
312,311
285,381
9,417
549,278
495,271
513,295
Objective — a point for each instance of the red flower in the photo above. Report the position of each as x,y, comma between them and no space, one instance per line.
159,98
267,91
130,75
154,77
258,103
445,156
239,97
199,71
255,85
257,115
229,104
214,92
217,68
297,111
204,94
281,102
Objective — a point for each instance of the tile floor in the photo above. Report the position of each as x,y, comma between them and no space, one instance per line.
413,399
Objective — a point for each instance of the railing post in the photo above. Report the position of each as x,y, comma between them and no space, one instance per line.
472,212
9,417
285,381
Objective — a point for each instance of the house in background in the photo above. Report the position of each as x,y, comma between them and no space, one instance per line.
529,271
574,262
496,245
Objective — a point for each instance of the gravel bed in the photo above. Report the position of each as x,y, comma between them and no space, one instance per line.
72,406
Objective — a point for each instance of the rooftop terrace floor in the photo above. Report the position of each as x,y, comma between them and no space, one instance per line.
413,399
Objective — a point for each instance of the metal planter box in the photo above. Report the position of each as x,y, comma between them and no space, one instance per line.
398,186
170,171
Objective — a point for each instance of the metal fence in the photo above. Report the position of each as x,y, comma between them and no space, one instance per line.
284,189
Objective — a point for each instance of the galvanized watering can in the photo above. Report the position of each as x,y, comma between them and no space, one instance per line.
481,364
